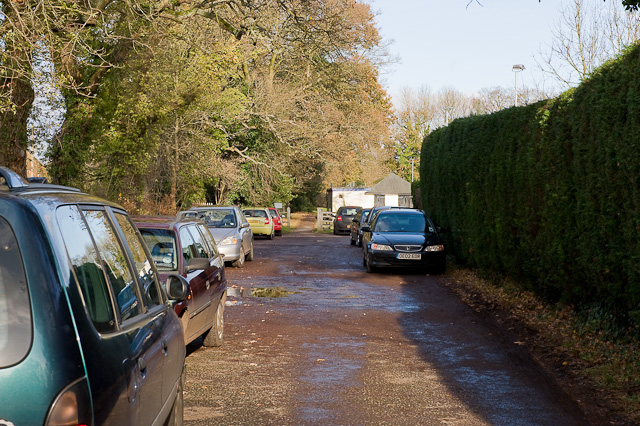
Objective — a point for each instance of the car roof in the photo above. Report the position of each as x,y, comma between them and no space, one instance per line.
162,222
12,184
402,210
203,208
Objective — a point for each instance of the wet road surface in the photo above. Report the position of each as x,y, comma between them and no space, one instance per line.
350,348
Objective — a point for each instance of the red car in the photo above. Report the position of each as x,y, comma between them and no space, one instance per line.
187,247
277,220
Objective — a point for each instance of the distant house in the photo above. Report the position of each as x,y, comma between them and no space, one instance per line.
346,196
390,191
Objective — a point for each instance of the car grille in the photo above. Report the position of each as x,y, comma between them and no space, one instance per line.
408,248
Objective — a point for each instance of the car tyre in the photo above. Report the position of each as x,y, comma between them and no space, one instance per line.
272,235
351,241
239,263
440,269
250,254
370,267
176,417
213,337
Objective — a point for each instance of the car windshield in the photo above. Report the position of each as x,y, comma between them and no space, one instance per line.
162,245
400,223
219,218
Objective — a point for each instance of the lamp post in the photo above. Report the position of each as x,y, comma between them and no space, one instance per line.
446,114
516,69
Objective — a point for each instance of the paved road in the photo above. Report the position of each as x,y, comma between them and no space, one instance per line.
351,348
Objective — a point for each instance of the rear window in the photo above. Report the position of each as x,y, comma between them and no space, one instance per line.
254,213
348,211
15,307
162,245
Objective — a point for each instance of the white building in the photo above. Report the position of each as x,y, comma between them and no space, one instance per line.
390,191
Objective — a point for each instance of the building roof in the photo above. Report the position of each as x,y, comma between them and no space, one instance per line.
392,184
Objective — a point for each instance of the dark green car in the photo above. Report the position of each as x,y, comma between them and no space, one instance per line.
88,336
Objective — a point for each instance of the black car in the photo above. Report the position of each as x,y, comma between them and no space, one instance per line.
356,227
344,216
88,335
403,238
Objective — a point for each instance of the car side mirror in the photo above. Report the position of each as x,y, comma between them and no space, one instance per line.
198,263
245,225
365,228
177,287
440,230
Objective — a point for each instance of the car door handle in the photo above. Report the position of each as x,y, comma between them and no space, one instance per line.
164,347
207,284
142,367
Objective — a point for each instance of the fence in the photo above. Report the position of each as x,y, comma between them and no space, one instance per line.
324,219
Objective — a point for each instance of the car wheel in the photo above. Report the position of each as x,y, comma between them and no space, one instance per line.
370,267
239,263
213,337
358,241
351,241
250,255
335,231
176,417
273,235
440,269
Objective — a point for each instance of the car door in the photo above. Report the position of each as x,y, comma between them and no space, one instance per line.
122,353
216,274
163,326
199,282
245,231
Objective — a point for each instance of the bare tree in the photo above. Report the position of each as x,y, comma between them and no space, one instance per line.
588,33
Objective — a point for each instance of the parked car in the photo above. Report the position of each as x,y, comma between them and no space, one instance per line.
356,231
277,220
89,335
260,220
343,219
187,247
403,238
231,231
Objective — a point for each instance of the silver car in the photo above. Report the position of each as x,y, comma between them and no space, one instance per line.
230,229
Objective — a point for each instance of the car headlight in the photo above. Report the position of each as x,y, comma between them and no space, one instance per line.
229,241
438,247
381,247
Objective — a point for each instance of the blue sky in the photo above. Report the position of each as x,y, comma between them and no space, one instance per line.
445,43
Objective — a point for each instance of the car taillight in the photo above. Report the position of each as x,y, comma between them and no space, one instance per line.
339,218
72,406
266,221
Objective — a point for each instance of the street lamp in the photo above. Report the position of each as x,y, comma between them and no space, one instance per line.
516,69
446,114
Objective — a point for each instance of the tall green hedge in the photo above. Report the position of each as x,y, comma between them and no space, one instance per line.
549,193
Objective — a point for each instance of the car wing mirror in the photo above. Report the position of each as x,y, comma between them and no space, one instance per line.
198,263
245,225
177,287
365,228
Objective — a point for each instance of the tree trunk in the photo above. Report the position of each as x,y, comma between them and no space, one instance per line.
13,126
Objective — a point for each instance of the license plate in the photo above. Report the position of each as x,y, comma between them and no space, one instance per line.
411,256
